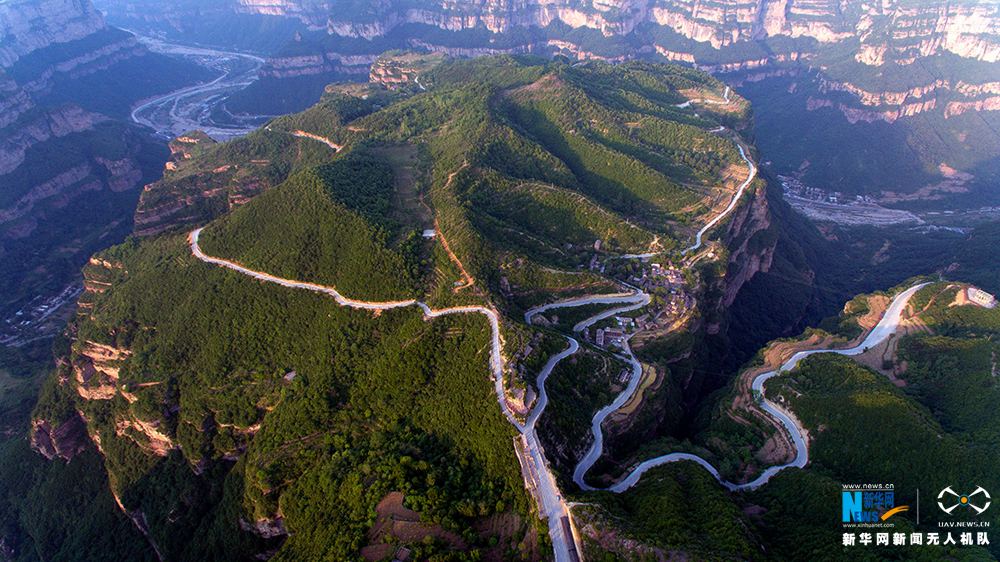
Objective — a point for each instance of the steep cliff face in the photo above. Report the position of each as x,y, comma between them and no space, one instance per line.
14,101
685,375
29,25
867,51
55,123
751,243
892,29
318,64
914,28
722,36
70,167
65,441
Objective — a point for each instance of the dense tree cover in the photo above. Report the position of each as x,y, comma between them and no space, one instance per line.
242,402
217,174
678,508
337,108
953,370
552,223
281,96
976,258
534,284
303,230
955,378
578,387
864,429
612,177
506,184
53,510
376,405
511,146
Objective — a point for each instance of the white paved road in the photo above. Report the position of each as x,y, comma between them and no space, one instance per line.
752,173
553,505
886,327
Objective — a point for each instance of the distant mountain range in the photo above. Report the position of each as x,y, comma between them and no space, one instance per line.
827,72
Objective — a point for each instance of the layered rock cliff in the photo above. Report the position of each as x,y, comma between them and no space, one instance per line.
868,51
851,43
29,25
70,165
687,29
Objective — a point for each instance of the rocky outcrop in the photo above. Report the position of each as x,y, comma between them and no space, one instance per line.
64,441
52,124
29,25
959,107
14,101
891,32
37,52
32,199
167,203
265,528
968,30
316,64
147,435
67,184
117,49
751,249
95,369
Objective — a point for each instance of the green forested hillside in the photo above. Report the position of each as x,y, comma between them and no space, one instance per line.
233,417
375,405
315,227
923,417
936,427
236,417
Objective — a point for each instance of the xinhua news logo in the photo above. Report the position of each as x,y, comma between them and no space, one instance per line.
869,504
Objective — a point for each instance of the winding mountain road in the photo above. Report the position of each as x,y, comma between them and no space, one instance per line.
551,502
699,237
553,505
886,327
732,203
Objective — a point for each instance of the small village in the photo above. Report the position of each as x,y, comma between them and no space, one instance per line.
33,321
794,187
664,283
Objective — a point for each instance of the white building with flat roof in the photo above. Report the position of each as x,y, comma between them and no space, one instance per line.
981,297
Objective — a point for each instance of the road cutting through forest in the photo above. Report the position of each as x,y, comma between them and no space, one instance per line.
553,505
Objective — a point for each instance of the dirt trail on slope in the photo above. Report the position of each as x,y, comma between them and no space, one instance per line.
467,280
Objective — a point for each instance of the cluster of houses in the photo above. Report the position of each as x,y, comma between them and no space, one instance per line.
621,326
609,336
793,186
669,277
